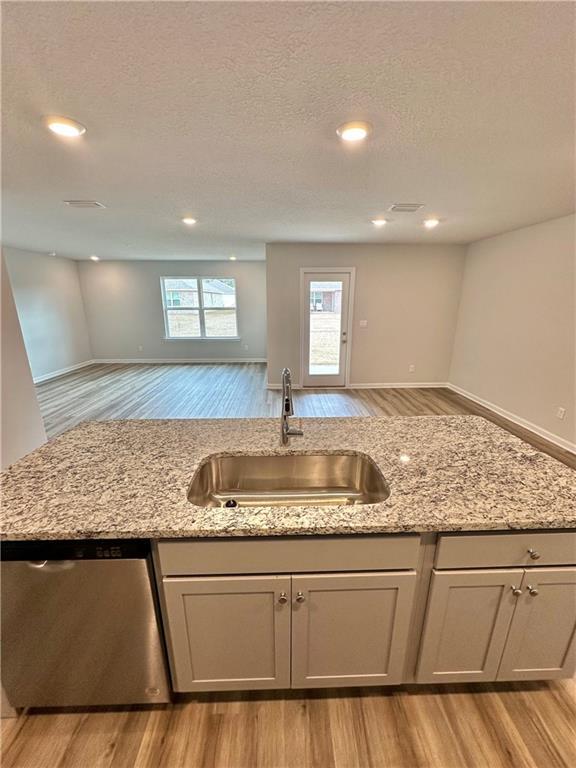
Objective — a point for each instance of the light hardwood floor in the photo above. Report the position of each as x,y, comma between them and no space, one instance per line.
235,391
528,725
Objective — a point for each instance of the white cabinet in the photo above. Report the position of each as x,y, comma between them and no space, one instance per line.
467,621
228,633
542,639
342,611
350,629
499,624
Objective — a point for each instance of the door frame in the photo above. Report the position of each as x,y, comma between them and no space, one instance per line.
351,272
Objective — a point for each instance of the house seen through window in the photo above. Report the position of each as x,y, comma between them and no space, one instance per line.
199,307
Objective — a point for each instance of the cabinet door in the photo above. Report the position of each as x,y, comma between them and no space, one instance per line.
228,633
467,620
541,643
350,629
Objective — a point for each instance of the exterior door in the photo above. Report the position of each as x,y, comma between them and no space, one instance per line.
229,633
350,629
325,311
542,638
468,616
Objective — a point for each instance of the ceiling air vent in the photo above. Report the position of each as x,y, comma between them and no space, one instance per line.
406,207
84,204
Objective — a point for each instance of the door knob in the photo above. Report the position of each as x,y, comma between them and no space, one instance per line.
533,554
300,597
532,590
283,599
516,591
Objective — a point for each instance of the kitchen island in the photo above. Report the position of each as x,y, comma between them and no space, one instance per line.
458,575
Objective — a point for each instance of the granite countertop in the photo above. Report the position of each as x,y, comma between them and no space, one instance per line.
129,479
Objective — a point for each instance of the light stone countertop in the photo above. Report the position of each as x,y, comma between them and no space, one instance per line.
129,479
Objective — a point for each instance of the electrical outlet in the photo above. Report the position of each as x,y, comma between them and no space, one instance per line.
411,368
363,323
560,413
140,348
245,347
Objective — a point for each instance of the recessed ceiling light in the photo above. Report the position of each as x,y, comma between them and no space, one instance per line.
188,221
354,131
431,223
94,258
232,258
64,126
379,222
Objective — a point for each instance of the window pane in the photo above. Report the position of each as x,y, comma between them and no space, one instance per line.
219,292
220,322
183,322
181,292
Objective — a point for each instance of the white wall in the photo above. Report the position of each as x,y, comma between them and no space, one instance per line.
407,293
124,310
51,310
515,340
21,422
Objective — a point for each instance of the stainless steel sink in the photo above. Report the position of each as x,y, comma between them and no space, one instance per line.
287,480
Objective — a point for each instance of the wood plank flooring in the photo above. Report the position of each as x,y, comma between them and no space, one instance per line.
235,391
528,725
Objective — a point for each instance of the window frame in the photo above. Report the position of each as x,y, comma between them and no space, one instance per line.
201,309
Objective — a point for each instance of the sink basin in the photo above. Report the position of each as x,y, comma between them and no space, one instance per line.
288,480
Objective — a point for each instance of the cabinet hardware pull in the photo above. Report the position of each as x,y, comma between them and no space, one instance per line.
533,591
515,590
283,599
300,597
533,554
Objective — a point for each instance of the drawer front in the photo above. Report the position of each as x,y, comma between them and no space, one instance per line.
506,549
288,555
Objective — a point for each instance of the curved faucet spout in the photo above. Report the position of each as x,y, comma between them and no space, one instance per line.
287,409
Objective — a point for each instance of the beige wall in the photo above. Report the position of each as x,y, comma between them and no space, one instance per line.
407,293
51,310
124,310
21,423
515,340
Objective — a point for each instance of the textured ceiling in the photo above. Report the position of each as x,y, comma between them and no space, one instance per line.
227,112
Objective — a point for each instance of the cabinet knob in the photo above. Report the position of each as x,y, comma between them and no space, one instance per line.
300,597
532,590
515,590
533,554
283,599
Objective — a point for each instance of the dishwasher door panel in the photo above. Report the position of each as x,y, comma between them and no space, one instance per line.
78,633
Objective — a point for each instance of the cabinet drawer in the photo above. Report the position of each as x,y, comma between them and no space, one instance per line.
506,549
293,554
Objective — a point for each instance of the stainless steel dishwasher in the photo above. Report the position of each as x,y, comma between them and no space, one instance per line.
80,624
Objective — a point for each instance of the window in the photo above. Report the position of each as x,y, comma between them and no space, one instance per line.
199,307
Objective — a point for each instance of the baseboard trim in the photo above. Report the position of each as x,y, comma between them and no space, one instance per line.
550,436
173,360
388,385
401,385
61,372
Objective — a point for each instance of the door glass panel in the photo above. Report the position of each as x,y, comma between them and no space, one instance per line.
325,327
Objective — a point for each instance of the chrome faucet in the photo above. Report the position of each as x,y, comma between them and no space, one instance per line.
286,431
